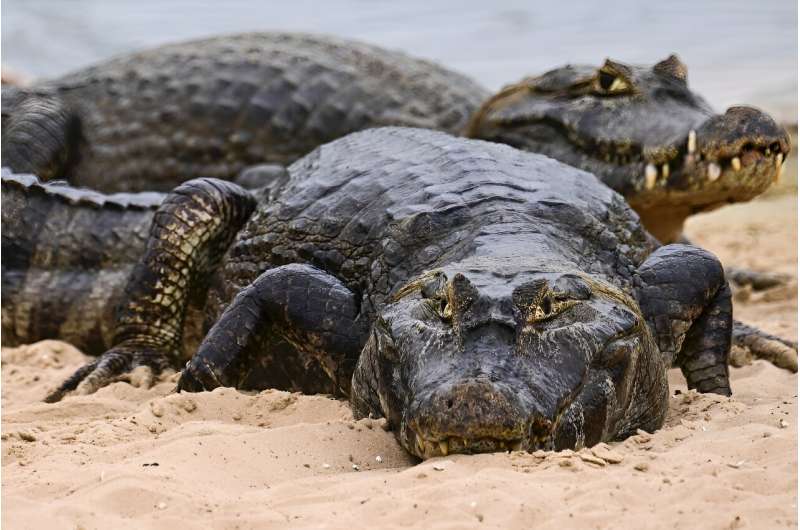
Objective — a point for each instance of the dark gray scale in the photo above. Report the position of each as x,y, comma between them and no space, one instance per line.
408,204
213,107
67,254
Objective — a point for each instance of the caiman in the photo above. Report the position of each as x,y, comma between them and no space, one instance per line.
68,253
478,297
153,119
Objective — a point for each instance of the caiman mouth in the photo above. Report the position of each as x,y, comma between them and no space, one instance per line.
428,448
537,433
743,167
665,166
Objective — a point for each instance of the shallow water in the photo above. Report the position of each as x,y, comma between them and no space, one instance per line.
737,51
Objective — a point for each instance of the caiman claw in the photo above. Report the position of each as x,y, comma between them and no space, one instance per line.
112,366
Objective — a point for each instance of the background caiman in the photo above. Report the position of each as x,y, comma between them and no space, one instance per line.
153,119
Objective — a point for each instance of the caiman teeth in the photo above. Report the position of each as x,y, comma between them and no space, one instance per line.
665,170
736,163
444,448
778,166
650,176
714,171
420,446
691,145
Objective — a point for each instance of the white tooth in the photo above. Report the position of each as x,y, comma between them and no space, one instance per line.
779,159
736,163
767,151
444,448
778,166
714,171
691,145
650,175
665,170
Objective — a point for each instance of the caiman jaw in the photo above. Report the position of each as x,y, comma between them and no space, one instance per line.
427,448
702,168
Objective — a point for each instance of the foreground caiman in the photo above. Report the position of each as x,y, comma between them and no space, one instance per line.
478,297
153,119
68,252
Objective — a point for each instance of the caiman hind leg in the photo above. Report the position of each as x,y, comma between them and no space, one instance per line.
190,232
756,280
686,301
306,307
40,134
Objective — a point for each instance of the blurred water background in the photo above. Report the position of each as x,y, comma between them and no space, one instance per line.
738,51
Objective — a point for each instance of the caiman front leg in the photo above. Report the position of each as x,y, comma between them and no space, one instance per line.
753,342
190,232
307,307
686,301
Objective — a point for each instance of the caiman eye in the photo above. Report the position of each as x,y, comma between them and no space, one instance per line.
441,307
435,292
610,83
549,306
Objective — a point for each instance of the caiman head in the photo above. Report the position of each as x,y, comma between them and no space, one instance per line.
494,359
643,133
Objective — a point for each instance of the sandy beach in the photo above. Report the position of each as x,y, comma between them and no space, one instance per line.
131,457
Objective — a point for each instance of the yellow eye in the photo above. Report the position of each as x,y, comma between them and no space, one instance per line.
610,83
548,307
441,307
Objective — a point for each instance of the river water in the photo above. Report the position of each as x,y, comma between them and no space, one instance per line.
738,51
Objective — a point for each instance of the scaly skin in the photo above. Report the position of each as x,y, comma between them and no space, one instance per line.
479,297
213,107
154,119
67,254
64,281
643,133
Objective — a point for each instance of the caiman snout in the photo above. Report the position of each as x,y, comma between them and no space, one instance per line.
472,416
740,137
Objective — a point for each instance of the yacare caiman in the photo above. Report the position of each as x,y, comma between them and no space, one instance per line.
479,297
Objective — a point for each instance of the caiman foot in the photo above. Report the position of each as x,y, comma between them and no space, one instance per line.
198,376
749,343
756,280
114,365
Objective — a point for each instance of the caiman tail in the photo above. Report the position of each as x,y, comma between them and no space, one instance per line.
66,257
